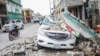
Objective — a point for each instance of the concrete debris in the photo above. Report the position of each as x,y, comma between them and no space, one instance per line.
19,54
19,48
75,53
35,49
29,41
28,47
89,48
10,53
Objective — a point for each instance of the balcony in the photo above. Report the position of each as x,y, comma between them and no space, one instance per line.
74,2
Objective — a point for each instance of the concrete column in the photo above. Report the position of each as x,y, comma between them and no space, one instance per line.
83,13
93,21
0,23
78,12
65,5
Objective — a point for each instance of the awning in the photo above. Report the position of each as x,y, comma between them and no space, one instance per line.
74,2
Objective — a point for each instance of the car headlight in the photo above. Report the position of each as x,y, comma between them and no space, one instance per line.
42,32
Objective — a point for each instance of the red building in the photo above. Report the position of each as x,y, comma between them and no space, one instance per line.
28,15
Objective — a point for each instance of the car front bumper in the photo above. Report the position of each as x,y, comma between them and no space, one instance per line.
56,44
5,29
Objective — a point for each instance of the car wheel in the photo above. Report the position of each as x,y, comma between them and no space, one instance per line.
22,27
3,31
39,47
40,23
18,34
11,37
34,22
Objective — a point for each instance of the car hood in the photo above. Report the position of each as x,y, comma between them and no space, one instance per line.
18,24
52,28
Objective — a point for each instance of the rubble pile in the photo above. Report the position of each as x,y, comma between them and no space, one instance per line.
28,47
18,49
75,53
89,48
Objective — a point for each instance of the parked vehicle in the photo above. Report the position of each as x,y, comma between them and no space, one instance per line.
20,24
35,20
8,25
50,35
41,21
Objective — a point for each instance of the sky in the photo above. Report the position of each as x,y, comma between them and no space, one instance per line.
41,6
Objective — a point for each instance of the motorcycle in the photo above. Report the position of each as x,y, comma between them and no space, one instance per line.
13,35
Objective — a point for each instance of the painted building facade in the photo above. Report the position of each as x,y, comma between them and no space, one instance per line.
14,9
27,15
94,12
3,13
76,7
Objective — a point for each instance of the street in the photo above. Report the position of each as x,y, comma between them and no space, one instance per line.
50,28
28,31
27,44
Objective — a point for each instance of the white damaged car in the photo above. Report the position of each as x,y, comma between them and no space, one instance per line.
50,35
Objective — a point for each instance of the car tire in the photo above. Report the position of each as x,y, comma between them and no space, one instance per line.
33,22
11,38
39,47
4,31
22,27
40,23
18,34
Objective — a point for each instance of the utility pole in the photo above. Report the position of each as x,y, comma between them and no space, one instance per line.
96,13
94,19
50,5
0,24
65,5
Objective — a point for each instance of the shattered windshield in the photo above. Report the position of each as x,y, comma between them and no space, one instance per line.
48,21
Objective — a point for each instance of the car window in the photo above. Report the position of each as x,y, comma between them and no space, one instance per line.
47,22
36,18
7,22
18,21
12,21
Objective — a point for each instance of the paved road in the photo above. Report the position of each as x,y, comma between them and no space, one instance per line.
47,52
29,31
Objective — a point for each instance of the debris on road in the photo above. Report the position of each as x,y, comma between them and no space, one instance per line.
28,47
18,48
75,53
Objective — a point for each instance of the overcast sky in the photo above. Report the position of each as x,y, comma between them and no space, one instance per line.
41,6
